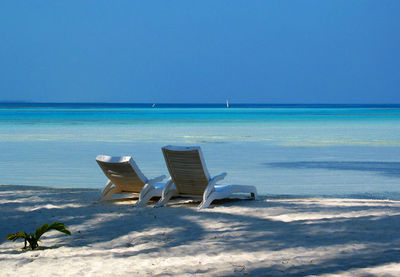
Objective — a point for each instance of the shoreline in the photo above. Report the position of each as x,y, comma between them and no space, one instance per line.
385,196
271,236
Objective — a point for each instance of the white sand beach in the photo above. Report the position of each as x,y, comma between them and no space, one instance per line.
269,237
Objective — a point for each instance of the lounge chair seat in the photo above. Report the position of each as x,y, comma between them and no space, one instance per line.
190,178
124,176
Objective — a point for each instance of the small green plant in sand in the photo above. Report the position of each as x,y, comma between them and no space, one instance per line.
33,239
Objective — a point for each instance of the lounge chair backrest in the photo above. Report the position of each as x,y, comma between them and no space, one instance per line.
187,169
123,172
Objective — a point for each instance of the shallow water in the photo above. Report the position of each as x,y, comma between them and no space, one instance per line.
301,150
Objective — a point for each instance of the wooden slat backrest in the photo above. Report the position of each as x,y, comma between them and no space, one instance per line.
186,170
122,175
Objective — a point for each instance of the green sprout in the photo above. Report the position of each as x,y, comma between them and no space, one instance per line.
33,239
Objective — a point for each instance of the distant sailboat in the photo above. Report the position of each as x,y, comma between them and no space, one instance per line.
153,106
227,103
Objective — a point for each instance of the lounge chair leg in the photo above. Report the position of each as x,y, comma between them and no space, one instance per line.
109,193
142,202
147,188
107,188
206,202
165,199
145,195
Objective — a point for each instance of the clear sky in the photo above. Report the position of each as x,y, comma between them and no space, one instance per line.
340,51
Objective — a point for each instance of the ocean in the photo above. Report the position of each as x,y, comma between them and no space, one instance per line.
306,150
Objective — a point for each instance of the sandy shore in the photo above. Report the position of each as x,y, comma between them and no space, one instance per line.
268,237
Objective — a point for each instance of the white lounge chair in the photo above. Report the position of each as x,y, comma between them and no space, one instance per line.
190,178
124,176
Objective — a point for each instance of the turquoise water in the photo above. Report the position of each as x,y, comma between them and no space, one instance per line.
281,149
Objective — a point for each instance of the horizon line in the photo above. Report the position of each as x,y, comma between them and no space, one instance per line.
188,103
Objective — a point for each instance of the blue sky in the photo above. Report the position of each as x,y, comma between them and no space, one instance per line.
200,51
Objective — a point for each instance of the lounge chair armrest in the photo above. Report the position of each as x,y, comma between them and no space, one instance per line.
213,181
156,179
218,177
